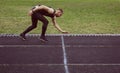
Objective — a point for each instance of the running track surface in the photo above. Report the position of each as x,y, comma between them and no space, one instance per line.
73,53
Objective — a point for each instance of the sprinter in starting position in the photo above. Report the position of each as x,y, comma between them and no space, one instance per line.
38,13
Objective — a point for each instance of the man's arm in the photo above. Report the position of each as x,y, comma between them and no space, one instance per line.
57,26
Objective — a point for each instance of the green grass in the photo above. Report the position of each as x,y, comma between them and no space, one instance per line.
80,16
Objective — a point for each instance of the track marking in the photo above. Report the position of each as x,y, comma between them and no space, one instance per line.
93,46
32,64
78,46
73,35
27,46
65,56
97,64
102,64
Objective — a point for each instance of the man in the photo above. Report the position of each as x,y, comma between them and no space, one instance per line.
38,13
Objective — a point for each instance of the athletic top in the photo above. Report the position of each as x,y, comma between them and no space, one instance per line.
44,12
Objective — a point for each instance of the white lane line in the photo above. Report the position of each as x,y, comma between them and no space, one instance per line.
99,64
27,46
60,64
65,56
73,35
32,64
78,46
93,46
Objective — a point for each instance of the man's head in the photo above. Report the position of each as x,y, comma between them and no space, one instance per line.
59,12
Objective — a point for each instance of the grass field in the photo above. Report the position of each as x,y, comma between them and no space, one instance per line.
80,16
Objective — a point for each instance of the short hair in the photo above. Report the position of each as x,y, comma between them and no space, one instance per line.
60,10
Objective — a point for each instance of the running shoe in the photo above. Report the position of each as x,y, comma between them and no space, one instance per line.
23,36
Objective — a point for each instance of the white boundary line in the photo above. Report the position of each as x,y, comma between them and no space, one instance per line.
65,55
50,46
27,46
84,35
102,64
97,64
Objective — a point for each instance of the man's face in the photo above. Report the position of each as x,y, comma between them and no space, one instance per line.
59,13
